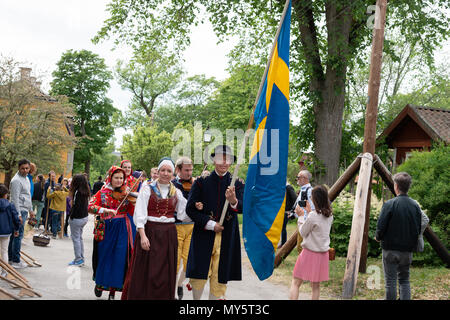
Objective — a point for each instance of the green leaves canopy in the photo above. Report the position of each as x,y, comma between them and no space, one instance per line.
327,37
84,78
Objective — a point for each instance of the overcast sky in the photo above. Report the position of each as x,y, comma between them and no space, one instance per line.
38,32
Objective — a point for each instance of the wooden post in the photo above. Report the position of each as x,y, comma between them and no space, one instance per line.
61,220
365,240
23,290
370,127
286,249
437,245
13,274
5,295
356,235
334,191
31,258
384,173
344,179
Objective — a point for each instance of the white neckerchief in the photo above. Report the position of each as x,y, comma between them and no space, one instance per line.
164,188
220,175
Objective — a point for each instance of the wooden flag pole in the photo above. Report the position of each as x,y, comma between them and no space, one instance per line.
356,235
370,126
252,116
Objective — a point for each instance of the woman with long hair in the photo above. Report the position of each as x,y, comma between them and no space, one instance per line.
114,233
79,193
312,263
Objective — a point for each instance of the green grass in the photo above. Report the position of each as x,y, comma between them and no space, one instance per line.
427,283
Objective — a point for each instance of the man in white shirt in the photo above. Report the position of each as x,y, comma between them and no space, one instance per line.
303,179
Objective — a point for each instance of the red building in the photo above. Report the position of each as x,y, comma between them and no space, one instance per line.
416,128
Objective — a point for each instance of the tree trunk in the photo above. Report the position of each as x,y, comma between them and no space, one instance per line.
327,79
328,135
87,168
8,177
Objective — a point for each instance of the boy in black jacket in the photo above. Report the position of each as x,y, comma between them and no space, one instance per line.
9,224
398,230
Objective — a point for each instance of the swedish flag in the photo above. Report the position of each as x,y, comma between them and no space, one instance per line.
265,186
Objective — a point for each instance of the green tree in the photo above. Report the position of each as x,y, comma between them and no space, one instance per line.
150,74
234,99
84,78
102,161
188,103
430,172
327,38
146,146
33,125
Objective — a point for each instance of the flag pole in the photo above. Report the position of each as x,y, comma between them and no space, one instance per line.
252,116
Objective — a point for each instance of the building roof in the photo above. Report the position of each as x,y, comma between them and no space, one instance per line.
435,122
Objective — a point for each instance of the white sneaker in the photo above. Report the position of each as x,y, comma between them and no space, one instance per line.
19,265
4,273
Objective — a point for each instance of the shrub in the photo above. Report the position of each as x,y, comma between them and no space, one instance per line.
342,226
430,172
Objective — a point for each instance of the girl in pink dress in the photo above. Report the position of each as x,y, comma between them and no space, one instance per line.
312,263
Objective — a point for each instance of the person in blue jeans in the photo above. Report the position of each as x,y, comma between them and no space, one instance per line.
398,229
57,206
20,195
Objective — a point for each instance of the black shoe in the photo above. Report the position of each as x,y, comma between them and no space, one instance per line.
180,293
98,292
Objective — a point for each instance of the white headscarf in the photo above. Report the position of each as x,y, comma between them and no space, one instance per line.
166,162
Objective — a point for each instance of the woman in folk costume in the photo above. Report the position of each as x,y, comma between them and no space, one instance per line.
130,181
152,273
115,240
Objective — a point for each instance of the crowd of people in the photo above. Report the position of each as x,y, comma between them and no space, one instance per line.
151,234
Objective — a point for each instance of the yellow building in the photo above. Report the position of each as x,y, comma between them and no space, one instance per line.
66,155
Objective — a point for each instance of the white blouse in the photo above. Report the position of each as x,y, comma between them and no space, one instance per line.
141,216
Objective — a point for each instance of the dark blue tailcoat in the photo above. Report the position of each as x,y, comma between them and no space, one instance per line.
211,192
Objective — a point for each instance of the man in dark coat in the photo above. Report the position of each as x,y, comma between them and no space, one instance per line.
97,185
46,213
215,250
398,229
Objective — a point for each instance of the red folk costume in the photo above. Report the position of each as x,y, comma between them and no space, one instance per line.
130,183
113,245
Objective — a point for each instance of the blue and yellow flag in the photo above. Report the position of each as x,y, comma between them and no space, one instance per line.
265,186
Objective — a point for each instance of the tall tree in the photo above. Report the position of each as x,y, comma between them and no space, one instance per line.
327,37
150,74
84,78
189,103
33,125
